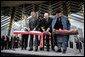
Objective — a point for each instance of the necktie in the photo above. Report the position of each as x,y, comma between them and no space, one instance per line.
59,19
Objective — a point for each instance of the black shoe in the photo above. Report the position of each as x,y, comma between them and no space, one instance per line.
42,49
30,49
25,49
59,50
53,49
47,49
64,51
21,49
36,49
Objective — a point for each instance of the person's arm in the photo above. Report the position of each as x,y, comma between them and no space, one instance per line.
23,25
42,25
42,29
68,24
29,25
37,25
52,24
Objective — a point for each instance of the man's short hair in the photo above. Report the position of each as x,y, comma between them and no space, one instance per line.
58,10
45,14
25,14
32,13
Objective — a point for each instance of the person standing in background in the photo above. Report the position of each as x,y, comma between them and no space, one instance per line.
4,41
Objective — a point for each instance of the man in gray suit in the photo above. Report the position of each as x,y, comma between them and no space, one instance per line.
32,27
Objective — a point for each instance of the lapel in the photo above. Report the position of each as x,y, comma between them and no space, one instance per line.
62,19
55,19
64,22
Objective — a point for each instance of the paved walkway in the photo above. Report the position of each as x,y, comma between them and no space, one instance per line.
70,52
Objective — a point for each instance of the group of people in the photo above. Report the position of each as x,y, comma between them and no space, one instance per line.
9,42
59,21
42,24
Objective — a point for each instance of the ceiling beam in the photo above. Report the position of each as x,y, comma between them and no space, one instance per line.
17,3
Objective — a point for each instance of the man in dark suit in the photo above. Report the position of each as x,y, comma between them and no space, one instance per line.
15,42
4,42
46,25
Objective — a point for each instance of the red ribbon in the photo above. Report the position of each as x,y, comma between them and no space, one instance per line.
67,31
34,33
41,34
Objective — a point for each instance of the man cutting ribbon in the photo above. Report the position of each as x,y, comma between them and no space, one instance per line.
60,21
46,26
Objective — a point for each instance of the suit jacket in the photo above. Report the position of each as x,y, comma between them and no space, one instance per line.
65,22
33,23
47,24
39,25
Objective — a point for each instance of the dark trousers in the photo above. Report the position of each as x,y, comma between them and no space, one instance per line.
67,40
31,42
9,45
47,41
24,41
4,45
62,42
15,45
55,39
52,42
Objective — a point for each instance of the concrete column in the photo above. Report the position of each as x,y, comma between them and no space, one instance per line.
11,14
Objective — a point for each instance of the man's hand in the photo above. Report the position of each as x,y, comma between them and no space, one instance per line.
48,29
53,30
43,29
34,29
28,29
